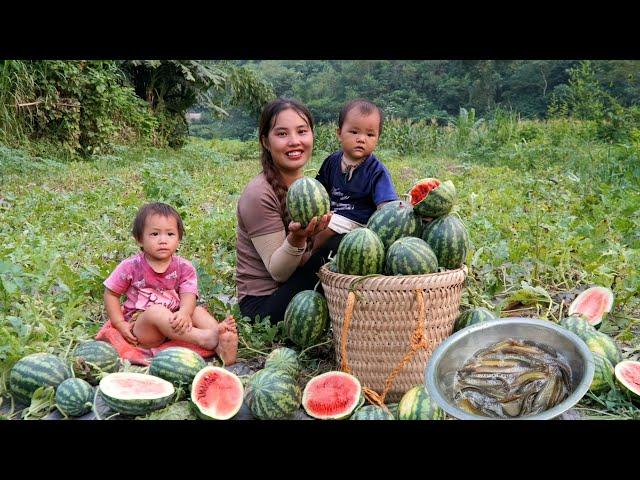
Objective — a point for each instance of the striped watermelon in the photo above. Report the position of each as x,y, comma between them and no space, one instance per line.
216,393
272,394
307,198
410,256
74,397
90,360
177,365
392,222
361,252
579,325
332,396
602,375
604,345
471,317
416,404
448,238
372,412
432,198
131,393
35,371
284,359
306,318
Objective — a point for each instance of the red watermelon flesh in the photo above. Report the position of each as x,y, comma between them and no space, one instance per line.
217,393
627,373
422,189
593,303
331,396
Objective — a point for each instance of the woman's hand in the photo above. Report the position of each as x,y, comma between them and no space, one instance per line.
316,225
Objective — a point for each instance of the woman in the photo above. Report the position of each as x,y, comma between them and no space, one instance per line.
272,265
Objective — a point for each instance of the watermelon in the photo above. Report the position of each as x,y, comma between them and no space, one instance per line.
35,371
272,394
92,359
602,375
432,198
392,222
332,396
579,325
216,393
594,303
372,412
416,404
361,252
130,393
306,199
393,408
306,318
410,256
627,373
284,359
448,238
473,316
74,397
177,365
604,345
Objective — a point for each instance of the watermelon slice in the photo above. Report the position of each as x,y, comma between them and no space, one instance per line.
131,393
627,373
217,393
332,396
432,198
592,304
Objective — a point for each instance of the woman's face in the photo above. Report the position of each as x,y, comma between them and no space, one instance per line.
290,141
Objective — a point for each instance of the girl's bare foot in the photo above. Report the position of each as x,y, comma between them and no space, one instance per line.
227,348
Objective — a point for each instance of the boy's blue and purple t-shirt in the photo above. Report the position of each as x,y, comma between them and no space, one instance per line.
356,199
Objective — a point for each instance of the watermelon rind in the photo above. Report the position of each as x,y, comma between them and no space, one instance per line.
625,369
603,375
604,345
372,412
594,303
448,238
272,394
471,317
417,404
306,199
361,252
285,359
225,393
35,371
326,383
438,201
410,256
306,318
129,403
74,397
177,365
579,325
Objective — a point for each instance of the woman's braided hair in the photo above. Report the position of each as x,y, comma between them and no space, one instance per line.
271,172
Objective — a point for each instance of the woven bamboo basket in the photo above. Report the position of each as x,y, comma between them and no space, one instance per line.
392,325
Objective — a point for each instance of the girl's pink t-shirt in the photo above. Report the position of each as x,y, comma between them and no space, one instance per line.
144,287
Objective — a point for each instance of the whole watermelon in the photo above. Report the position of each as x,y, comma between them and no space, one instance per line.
417,404
410,256
92,359
306,199
361,252
272,394
306,318
372,412
35,371
393,221
603,375
177,365
448,238
471,317
284,359
74,397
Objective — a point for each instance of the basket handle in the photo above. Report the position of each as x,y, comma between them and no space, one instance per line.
418,341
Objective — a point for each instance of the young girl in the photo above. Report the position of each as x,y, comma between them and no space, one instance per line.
357,182
161,290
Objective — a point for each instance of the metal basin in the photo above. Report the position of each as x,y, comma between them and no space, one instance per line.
459,347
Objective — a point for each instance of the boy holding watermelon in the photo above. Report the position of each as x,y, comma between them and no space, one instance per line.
357,182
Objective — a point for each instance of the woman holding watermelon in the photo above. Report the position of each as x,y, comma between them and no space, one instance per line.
272,259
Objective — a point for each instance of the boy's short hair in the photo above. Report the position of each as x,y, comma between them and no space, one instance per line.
155,208
365,107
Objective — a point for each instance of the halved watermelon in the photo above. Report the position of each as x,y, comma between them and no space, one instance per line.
432,198
627,374
217,393
131,393
332,396
593,304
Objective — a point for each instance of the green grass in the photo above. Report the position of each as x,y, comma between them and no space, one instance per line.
549,209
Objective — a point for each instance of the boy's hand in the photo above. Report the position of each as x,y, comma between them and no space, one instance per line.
125,330
181,322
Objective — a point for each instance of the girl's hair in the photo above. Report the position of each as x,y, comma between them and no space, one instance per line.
271,172
155,208
365,107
